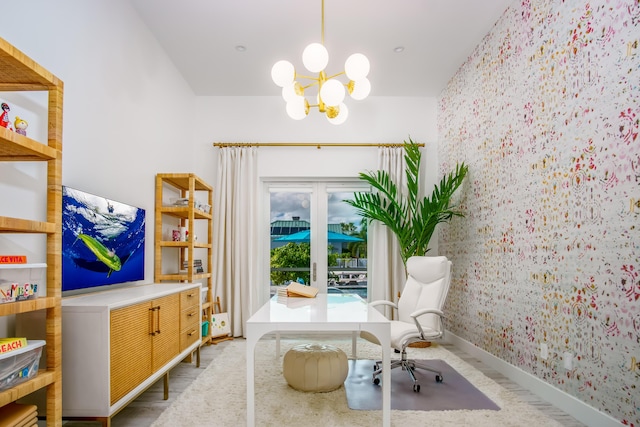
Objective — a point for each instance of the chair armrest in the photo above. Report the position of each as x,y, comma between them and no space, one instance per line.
383,302
419,313
424,311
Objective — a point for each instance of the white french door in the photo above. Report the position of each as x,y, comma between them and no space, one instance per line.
309,228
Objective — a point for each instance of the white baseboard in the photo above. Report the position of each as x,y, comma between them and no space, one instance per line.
579,410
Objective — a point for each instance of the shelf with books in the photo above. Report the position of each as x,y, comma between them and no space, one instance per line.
183,206
19,73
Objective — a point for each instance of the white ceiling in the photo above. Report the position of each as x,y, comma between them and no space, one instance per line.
201,38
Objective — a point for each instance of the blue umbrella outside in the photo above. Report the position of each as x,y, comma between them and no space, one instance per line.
304,236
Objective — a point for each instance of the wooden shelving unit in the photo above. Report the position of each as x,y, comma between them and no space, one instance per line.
20,73
184,186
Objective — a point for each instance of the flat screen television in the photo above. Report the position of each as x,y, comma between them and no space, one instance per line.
102,241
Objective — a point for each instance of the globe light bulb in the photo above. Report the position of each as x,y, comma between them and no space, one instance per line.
341,116
359,89
332,92
283,73
297,108
315,57
356,66
292,90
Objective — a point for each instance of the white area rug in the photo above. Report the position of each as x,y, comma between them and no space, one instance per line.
218,396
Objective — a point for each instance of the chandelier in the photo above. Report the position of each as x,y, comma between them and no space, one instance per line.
330,91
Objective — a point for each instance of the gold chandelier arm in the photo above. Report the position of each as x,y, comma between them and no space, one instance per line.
307,77
336,75
310,84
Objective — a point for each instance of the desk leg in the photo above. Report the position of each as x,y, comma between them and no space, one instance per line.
354,339
251,352
382,332
277,344
386,383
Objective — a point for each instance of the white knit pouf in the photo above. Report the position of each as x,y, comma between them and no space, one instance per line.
315,367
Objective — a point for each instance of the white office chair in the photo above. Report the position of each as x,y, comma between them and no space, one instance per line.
419,310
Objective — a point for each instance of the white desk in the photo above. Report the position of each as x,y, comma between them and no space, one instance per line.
325,312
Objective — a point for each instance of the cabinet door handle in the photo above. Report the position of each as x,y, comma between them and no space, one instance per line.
158,310
151,321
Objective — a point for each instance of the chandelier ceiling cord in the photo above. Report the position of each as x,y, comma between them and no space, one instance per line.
331,92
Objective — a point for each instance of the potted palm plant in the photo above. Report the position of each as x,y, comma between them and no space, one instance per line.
412,220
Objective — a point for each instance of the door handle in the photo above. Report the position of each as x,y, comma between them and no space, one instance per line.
314,271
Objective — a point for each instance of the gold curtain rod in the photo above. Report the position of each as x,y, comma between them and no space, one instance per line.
307,144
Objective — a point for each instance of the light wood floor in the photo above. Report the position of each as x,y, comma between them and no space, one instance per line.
148,406
526,396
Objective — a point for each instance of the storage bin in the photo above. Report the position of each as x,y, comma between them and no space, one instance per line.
19,282
205,328
20,365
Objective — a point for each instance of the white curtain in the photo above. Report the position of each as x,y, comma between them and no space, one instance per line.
387,269
235,234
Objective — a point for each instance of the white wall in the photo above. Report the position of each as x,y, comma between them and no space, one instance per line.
126,108
263,119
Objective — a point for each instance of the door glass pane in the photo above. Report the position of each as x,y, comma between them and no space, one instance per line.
290,253
347,238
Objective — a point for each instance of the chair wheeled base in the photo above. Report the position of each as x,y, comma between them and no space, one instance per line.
408,365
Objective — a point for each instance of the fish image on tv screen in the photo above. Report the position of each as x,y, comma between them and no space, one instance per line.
102,241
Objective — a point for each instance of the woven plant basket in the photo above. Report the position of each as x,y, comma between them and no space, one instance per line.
423,344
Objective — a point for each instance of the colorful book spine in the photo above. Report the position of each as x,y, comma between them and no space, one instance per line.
10,344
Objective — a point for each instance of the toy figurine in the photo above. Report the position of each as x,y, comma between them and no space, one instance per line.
21,126
5,122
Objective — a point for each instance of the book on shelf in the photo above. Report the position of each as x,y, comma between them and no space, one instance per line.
197,265
295,289
196,270
19,414
10,344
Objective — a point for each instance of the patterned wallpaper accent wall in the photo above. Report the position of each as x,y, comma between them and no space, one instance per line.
546,114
